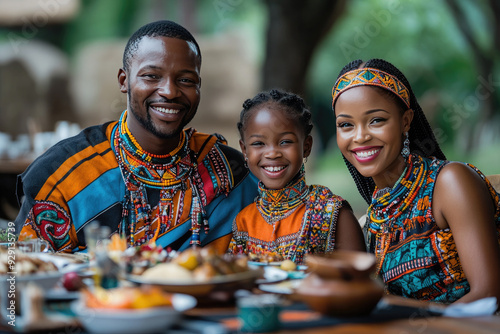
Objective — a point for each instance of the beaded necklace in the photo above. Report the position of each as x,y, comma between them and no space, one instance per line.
169,173
384,211
277,204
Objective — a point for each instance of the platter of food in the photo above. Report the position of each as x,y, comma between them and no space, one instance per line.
27,267
199,272
229,282
130,310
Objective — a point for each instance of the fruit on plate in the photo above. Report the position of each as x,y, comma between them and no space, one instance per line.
198,264
138,259
261,255
188,259
126,297
288,265
71,281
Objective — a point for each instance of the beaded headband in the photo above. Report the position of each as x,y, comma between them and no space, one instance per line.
370,77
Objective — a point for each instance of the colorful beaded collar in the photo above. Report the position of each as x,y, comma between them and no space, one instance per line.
277,204
169,173
370,77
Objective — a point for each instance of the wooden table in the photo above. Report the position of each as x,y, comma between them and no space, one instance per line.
432,325
417,324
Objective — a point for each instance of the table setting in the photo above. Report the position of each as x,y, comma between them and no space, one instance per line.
149,289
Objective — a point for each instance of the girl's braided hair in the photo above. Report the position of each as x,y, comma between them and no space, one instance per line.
293,105
422,139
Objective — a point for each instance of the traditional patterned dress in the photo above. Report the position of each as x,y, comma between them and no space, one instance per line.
189,196
290,222
416,259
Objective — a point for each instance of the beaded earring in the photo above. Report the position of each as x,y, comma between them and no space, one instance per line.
245,163
405,152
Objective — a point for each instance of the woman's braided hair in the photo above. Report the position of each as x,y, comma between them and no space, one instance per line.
422,139
292,104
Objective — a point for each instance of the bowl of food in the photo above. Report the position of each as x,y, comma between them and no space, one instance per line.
130,310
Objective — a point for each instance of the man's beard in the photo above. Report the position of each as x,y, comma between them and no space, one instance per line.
148,124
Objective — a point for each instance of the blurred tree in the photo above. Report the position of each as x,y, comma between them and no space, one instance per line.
295,28
485,54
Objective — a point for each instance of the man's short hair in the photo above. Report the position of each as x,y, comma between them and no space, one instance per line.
163,28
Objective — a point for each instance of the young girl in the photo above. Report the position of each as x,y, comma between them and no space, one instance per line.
433,224
289,218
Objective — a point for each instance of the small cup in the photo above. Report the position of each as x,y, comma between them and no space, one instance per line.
34,246
94,236
259,313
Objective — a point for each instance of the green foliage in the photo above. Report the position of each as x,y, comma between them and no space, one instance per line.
101,20
4,235
419,37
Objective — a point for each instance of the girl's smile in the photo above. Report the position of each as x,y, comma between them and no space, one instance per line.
274,145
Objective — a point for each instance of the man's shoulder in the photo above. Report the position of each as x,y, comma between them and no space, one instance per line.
235,160
89,142
212,145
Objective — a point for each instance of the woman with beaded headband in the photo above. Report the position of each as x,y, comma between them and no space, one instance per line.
434,225
288,219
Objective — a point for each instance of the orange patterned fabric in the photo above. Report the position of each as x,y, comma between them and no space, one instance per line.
79,180
310,228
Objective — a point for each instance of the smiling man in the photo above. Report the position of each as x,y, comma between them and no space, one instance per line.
145,176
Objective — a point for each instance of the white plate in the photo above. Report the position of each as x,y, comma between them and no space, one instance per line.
150,320
272,275
284,288
300,267
255,263
64,262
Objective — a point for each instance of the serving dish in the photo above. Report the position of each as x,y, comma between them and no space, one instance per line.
131,321
228,283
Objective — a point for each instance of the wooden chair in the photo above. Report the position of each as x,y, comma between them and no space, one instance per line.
495,181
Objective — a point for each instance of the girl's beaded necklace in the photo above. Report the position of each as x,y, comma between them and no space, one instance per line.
277,204
169,173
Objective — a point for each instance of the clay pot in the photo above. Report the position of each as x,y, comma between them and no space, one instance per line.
340,284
